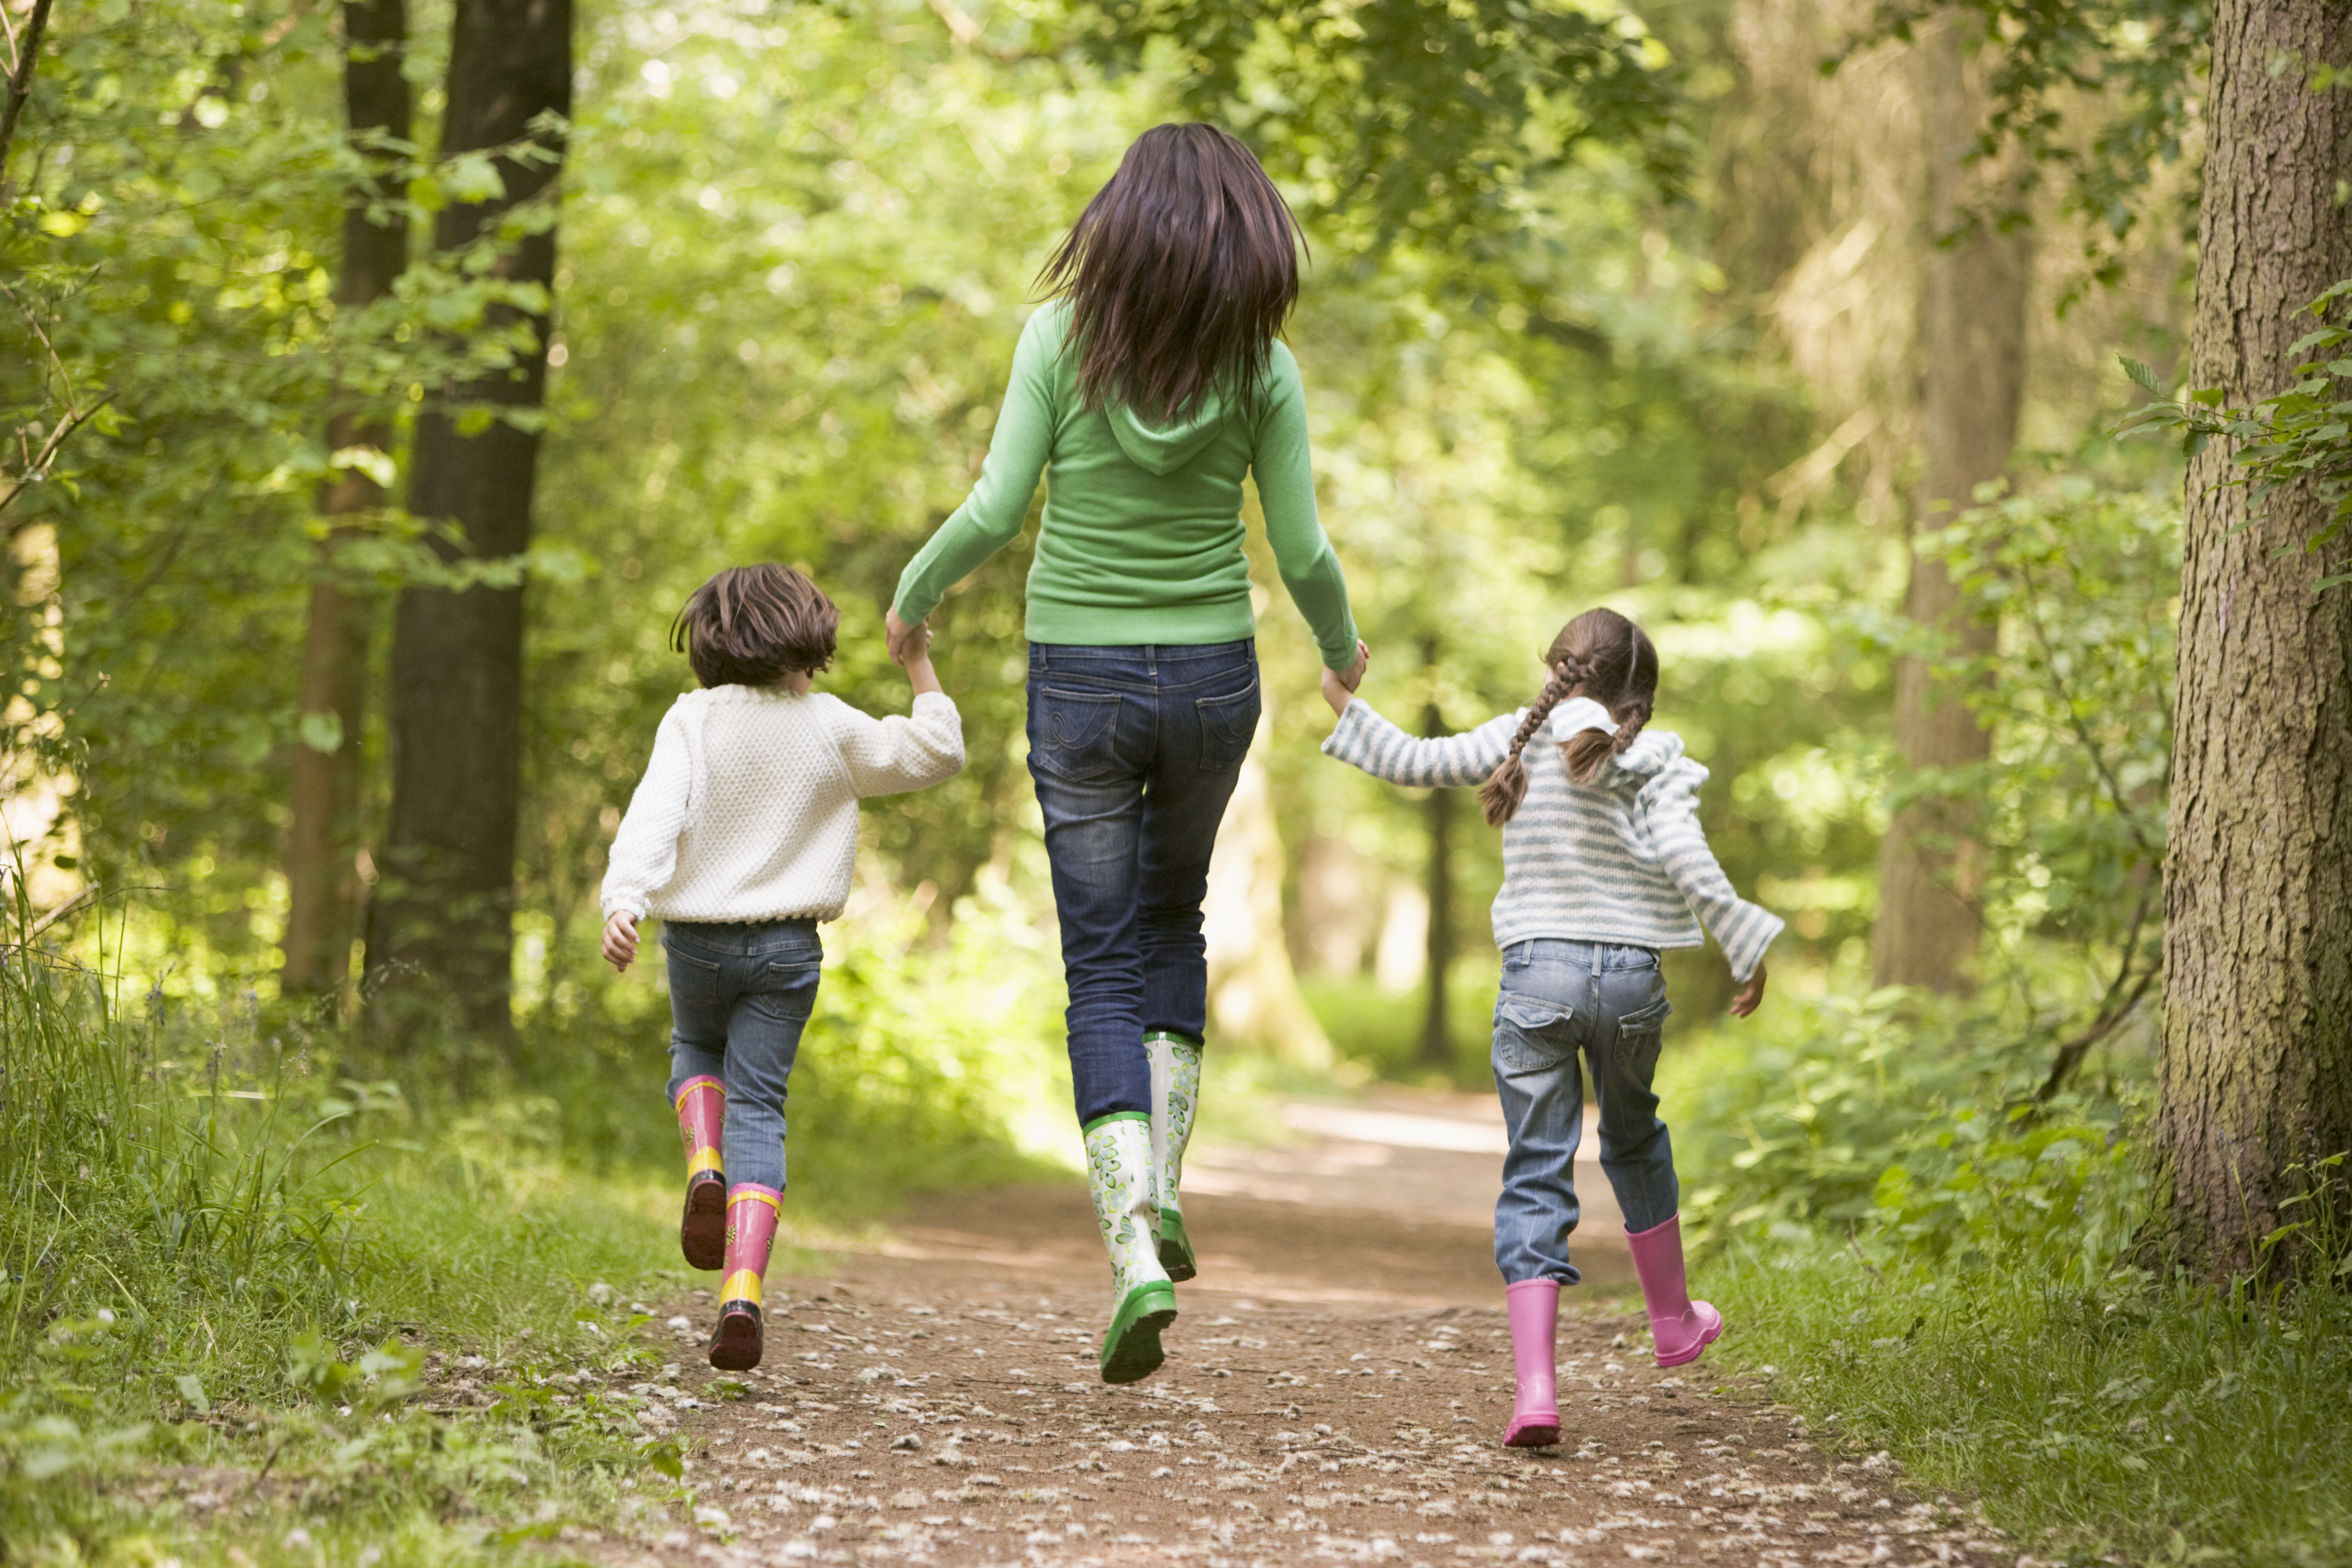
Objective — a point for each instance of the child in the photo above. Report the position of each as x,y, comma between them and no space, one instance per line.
1604,867
741,839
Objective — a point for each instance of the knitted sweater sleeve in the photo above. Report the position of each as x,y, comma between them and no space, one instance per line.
1369,741
1670,809
645,850
894,754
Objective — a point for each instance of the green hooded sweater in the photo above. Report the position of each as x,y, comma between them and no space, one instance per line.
1141,541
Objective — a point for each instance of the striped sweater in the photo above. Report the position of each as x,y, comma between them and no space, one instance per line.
1622,860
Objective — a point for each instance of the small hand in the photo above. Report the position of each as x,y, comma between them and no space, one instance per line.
1744,1000
1335,692
902,636
1353,675
621,940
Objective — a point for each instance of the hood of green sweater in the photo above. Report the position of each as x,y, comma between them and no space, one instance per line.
1164,449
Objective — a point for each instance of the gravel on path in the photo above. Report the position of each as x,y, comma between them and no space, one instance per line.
933,1399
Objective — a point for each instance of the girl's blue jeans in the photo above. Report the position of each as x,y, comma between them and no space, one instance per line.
1560,998
740,995
1135,751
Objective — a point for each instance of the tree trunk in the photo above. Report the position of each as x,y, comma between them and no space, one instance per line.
1437,1038
2256,1073
440,944
1253,995
323,838
1971,380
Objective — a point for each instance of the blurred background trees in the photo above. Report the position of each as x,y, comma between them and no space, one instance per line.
364,566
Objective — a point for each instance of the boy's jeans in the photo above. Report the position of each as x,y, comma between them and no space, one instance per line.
1135,751
1610,1002
740,995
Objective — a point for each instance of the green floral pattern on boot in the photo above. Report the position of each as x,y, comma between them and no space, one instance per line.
1143,1302
1176,1100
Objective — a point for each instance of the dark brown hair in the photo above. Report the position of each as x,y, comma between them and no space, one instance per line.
749,626
1179,273
1599,655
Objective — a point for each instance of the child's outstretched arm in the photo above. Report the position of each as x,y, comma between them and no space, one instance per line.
892,755
1670,804
1369,741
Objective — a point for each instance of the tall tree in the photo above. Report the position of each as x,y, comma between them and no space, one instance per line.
323,839
2256,1073
1436,1037
440,942
1971,382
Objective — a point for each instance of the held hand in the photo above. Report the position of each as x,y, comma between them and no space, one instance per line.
621,940
1353,675
1747,998
1335,690
918,662
902,636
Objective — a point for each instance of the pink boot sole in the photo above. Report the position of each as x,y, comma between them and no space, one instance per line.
1536,1429
1712,1329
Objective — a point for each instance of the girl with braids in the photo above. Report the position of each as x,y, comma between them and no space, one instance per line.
1603,865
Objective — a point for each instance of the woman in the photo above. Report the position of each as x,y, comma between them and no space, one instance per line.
1146,388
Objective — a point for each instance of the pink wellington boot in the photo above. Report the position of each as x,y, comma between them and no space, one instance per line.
1533,1308
751,1214
1681,1326
701,1104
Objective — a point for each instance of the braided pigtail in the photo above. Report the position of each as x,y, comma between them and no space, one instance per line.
1500,797
1589,751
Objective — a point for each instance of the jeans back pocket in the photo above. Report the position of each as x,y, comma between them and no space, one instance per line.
1228,725
1074,735
1531,1035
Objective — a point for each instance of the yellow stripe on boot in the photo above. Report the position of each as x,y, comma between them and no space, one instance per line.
700,1161
744,1285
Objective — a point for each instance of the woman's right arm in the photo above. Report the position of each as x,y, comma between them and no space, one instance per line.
992,516
1370,742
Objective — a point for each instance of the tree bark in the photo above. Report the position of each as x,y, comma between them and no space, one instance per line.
2256,1073
440,944
1436,1037
323,838
1971,380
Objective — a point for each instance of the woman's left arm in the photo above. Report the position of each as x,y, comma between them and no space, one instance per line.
1286,492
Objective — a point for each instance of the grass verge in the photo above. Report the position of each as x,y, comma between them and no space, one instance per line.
2142,1421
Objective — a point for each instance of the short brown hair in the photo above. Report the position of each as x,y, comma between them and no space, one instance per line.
749,626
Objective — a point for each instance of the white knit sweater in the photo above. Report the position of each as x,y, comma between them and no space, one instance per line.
749,809
1622,860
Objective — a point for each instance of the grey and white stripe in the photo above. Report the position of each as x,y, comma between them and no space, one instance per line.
1622,860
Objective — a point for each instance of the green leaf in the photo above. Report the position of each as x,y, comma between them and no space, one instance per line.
191,1389
2140,375
322,733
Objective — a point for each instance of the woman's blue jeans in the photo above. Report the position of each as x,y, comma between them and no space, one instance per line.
1610,1002
1135,751
740,995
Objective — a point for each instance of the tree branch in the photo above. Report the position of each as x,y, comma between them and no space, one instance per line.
26,47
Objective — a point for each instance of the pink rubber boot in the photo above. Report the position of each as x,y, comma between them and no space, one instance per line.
701,1104
751,1213
1681,1326
1533,1306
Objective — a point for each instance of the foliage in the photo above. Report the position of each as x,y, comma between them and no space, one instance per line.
2300,440
1401,118
2104,92
2099,1416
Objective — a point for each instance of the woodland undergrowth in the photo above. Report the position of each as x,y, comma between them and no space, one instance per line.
256,1306
1929,1260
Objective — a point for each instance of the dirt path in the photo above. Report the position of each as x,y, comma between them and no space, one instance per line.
1335,1390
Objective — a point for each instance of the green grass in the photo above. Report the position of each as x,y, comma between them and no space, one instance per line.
227,1272
2142,1421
